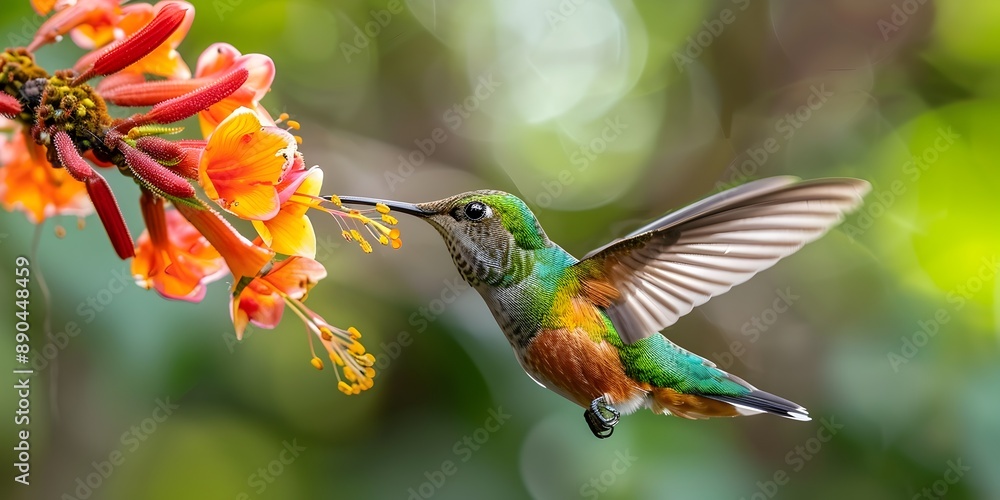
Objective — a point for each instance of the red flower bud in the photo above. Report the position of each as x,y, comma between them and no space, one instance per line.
154,174
70,158
187,105
111,216
126,52
9,105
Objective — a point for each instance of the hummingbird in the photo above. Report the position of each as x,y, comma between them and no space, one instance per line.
589,329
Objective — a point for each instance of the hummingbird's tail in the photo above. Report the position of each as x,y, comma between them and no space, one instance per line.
758,401
740,399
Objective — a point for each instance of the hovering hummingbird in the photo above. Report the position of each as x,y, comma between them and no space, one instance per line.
588,329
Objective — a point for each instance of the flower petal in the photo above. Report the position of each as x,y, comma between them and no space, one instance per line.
243,163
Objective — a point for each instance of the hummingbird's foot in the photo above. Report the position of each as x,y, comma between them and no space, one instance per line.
601,417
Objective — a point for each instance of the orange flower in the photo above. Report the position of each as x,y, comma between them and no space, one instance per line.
242,257
221,58
28,182
171,256
290,231
89,15
243,163
161,61
264,299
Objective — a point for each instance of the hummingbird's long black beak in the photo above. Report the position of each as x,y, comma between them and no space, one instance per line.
399,206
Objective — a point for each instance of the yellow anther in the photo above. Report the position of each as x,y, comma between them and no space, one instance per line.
354,333
344,388
317,363
298,139
336,359
355,389
388,219
294,125
347,235
366,383
394,234
366,247
366,360
282,117
350,375
335,199
396,243
369,372
356,348
87,102
356,235
325,334
383,240
382,208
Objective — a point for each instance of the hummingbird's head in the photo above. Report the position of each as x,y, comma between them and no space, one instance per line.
482,229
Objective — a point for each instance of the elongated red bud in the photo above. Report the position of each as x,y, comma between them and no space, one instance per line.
154,174
160,149
71,159
179,108
126,52
107,209
146,93
9,105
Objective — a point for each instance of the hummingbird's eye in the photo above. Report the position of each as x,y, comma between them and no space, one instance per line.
476,210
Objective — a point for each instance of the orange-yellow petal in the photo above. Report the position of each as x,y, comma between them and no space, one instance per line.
295,276
290,231
243,163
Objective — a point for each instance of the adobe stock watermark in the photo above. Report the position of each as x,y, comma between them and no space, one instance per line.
88,309
879,202
463,449
901,13
784,129
380,20
608,477
130,440
264,476
954,472
711,30
453,119
928,328
581,157
797,459
752,328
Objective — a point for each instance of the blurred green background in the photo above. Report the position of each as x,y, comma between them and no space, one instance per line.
601,114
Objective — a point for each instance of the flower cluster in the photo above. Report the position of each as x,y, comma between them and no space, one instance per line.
57,135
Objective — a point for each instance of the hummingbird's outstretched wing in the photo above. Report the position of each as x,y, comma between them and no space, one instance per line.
666,268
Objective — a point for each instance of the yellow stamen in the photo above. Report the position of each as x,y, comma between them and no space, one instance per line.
369,372
317,363
350,375
344,388
383,240
382,208
366,247
396,243
354,333
388,219
336,359
394,234
294,125
347,235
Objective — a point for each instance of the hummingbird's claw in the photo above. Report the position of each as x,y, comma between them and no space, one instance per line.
601,417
